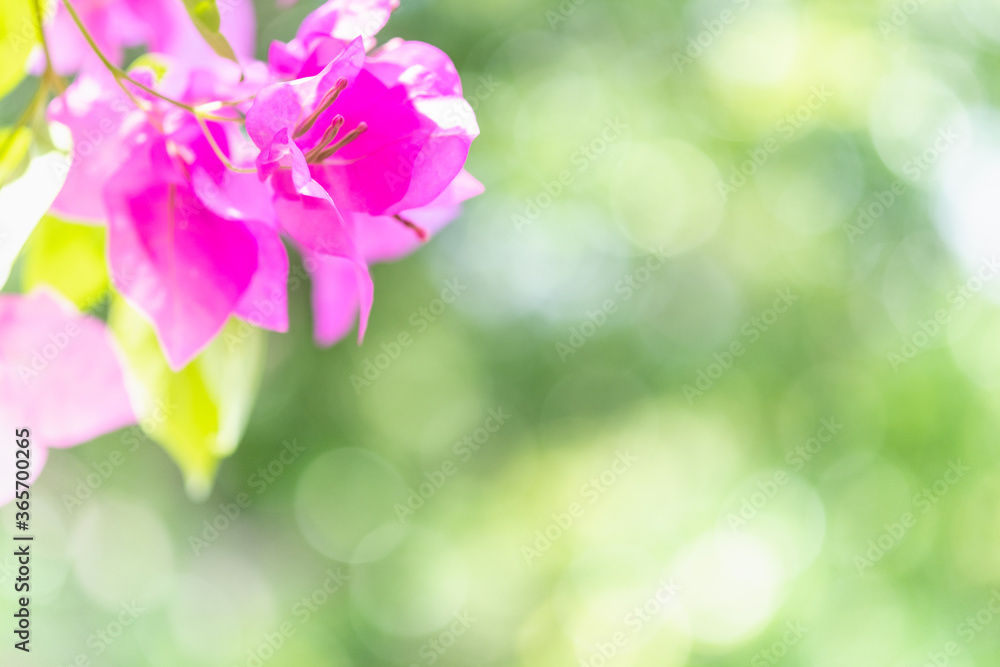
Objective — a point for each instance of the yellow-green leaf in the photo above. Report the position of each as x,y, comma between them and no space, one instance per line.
18,35
198,414
13,152
205,16
151,61
69,258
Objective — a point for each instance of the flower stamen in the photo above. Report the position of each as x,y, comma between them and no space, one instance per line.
328,136
417,229
328,98
320,155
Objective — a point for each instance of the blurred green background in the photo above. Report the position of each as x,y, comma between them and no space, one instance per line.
726,310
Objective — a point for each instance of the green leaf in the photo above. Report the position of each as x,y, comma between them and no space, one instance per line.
198,414
18,35
69,258
24,201
13,152
152,62
205,16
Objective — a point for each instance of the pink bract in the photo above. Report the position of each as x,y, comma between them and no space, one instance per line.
60,377
358,152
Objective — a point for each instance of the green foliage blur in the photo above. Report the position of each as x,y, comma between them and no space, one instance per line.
708,376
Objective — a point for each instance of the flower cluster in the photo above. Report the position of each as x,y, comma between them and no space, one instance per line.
203,162
354,153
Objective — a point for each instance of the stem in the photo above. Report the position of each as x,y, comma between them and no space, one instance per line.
124,75
417,229
87,36
218,119
218,151
215,106
50,74
115,72
121,77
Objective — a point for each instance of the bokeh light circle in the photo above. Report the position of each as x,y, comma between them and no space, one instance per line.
346,505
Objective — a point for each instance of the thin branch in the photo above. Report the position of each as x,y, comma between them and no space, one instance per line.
121,77
50,73
218,151
115,71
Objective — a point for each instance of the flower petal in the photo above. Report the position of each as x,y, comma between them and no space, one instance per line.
326,31
282,105
340,289
94,109
327,240
347,19
182,265
265,303
314,223
63,372
419,130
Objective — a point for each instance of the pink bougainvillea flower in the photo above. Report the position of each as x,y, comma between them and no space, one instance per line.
104,122
293,124
60,377
342,291
198,164
359,158
193,72
381,138
183,263
377,136
411,164
346,20
242,197
122,165
407,96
